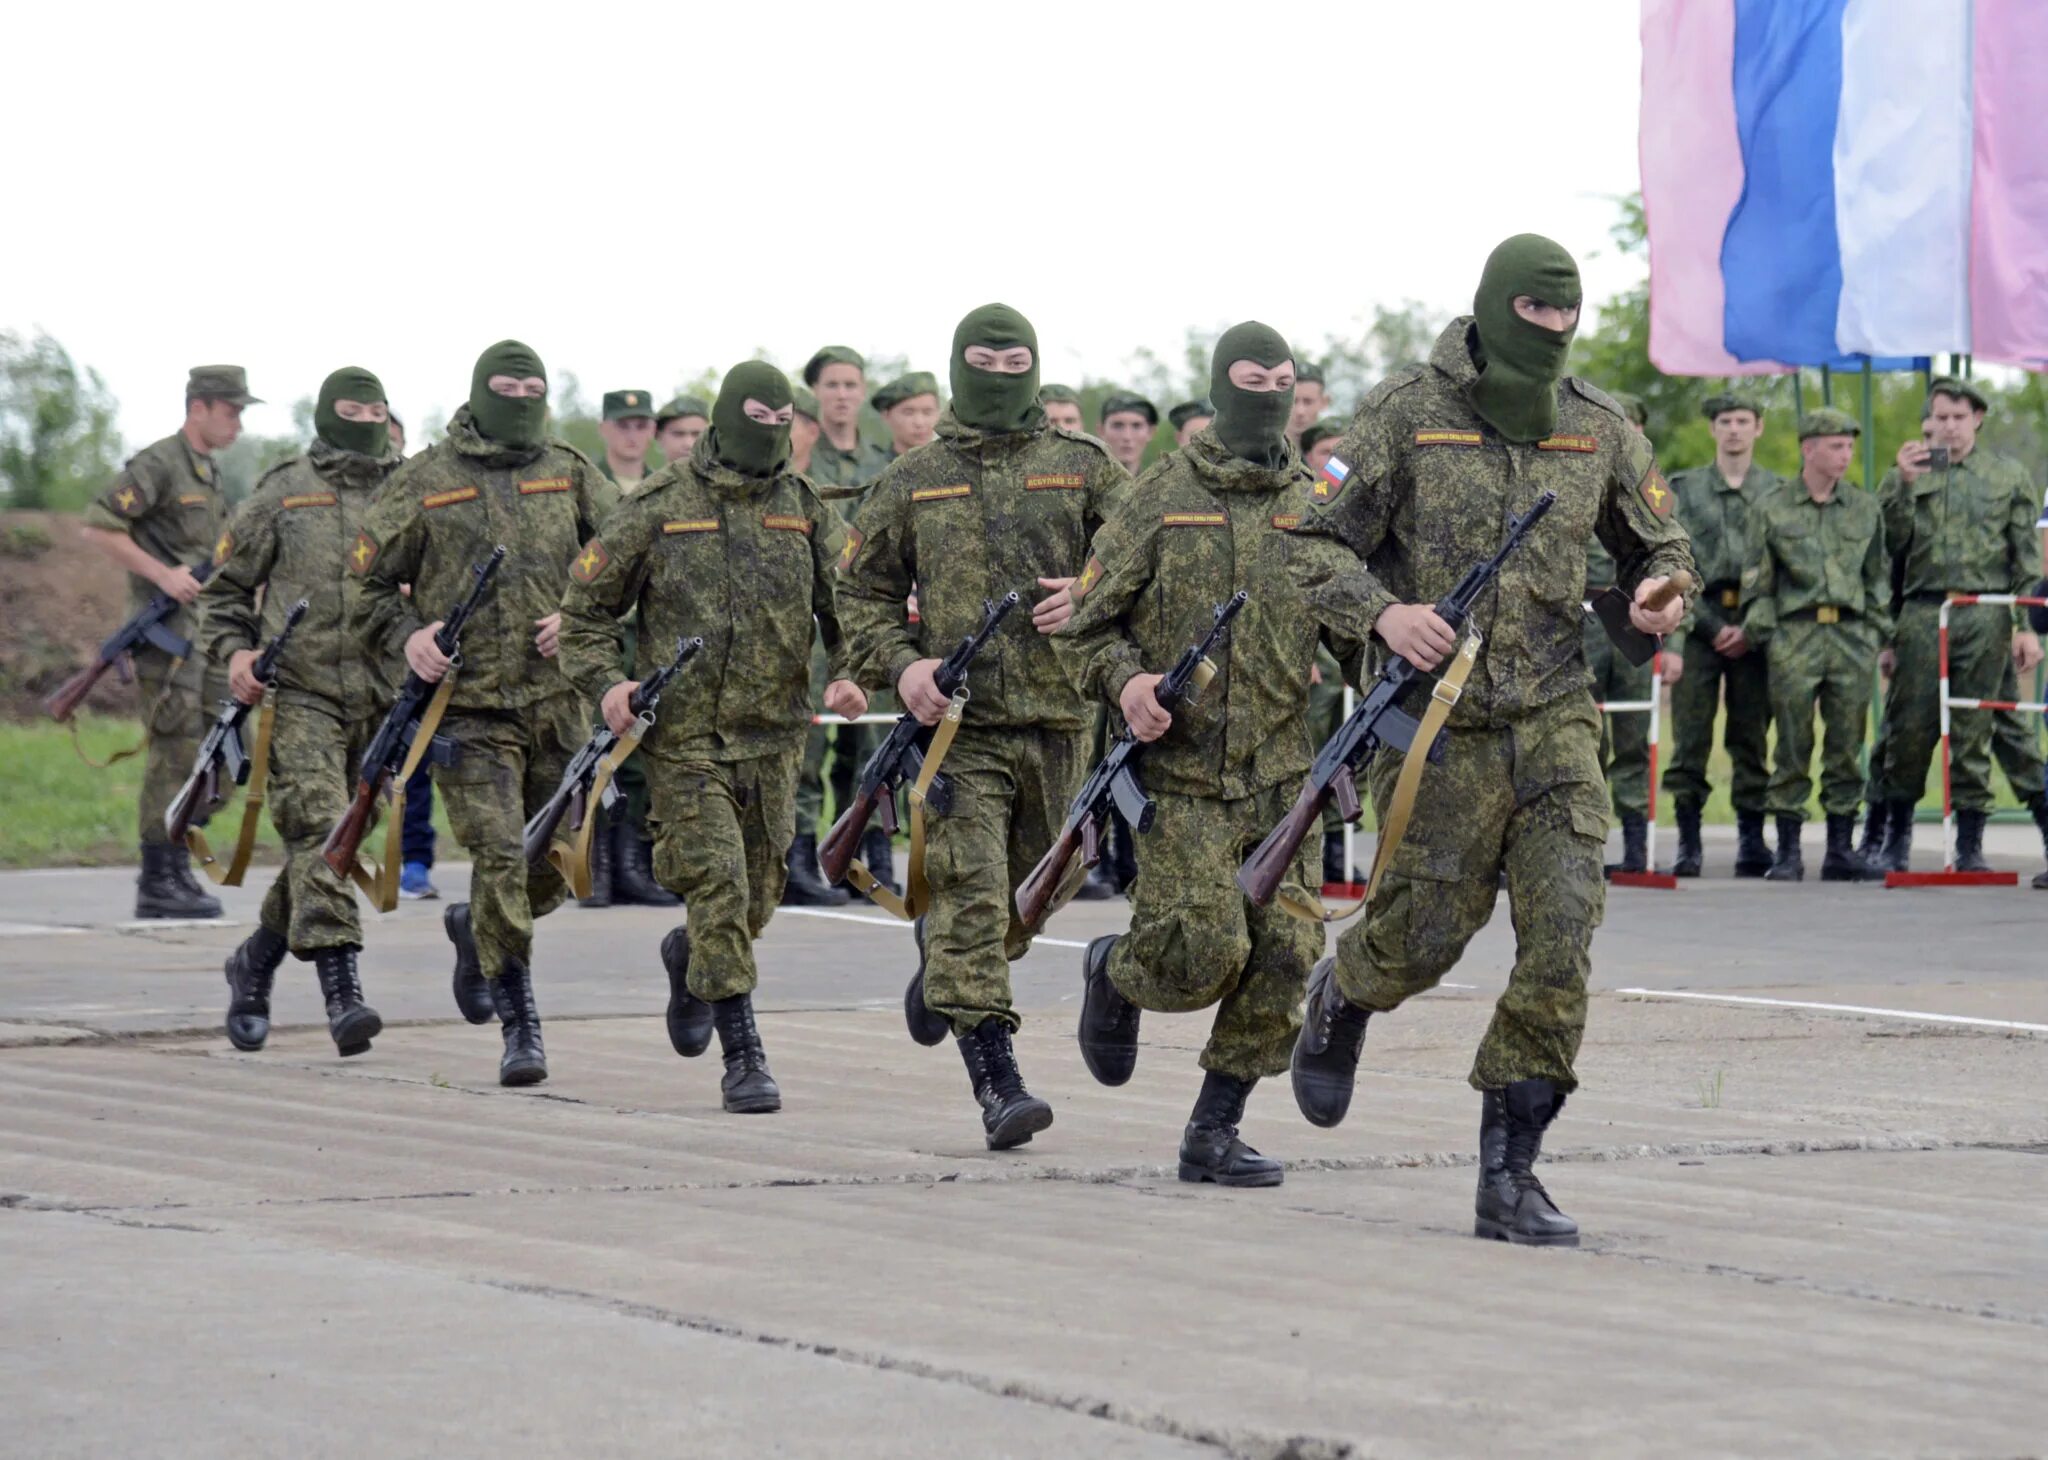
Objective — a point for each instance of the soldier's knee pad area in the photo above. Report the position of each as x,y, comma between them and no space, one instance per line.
1181,956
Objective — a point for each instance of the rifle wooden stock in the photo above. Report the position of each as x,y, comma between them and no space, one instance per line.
202,787
1266,868
63,702
1036,892
347,836
842,843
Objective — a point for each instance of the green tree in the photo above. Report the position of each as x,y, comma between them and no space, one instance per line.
58,441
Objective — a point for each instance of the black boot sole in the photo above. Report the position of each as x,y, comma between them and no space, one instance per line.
1111,1064
689,1017
1189,1171
1500,1232
926,1027
752,1104
523,1072
353,1031
174,912
1019,1125
472,991
247,1046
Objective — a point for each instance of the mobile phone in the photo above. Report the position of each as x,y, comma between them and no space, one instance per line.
1937,458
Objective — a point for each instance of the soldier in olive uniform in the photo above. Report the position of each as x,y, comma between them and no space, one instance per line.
1436,461
627,427
843,457
1816,599
1714,503
291,540
1189,417
1128,424
159,521
677,427
1203,522
1967,527
999,502
804,430
1062,405
733,546
909,408
1311,400
497,478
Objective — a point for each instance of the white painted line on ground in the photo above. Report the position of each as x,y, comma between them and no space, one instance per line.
883,921
34,930
151,925
1840,1009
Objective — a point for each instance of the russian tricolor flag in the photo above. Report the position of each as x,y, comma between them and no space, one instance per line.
1839,180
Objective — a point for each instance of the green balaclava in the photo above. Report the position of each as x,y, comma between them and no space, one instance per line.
509,422
735,439
365,438
1516,392
988,400
1252,423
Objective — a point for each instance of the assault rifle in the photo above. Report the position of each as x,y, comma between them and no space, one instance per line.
1377,721
146,627
900,757
1114,783
571,798
222,761
392,745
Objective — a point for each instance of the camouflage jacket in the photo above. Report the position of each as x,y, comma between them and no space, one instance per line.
967,517
294,534
168,499
1199,525
1716,518
833,468
746,562
440,515
1807,555
1969,528
1426,492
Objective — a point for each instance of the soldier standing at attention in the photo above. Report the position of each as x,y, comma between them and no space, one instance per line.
733,546
496,478
1311,399
1816,599
678,425
1439,458
162,516
1062,404
843,458
1189,417
1128,422
628,432
999,502
294,535
1205,521
909,408
1714,503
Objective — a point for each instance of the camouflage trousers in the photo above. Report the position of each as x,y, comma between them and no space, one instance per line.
1695,700
1525,797
1824,666
1624,737
1011,788
1979,666
510,763
314,756
178,698
721,832
1195,941
2015,744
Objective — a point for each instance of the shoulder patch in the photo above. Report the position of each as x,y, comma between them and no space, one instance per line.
590,562
784,522
223,549
941,494
1194,519
537,485
1583,444
1657,493
449,498
1336,471
851,550
1090,576
362,554
126,500
307,499
694,524
1449,438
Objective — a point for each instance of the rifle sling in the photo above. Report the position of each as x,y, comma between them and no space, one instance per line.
916,896
148,719
1394,826
380,882
572,858
252,804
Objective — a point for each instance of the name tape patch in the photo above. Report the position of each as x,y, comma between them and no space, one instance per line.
1059,481
786,523
694,524
449,498
940,494
194,499
308,499
1449,438
1587,444
1194,519
543,484
1287,519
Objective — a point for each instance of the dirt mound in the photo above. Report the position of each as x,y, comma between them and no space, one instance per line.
58,600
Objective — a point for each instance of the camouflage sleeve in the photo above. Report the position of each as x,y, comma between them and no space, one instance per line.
828,543
386,555
2020,546
877,567
1760,587
596,497
135,493
605,580
1094,646
1877,583
1637,523
242,561
1351,507
1109,487
1896,498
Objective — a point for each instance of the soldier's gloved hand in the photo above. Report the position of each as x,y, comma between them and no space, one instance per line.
617,706
242,683
549,635
1655,620
1413,631
424,657
920,692
844,698
178,582
1056,607
1147,718
2026,652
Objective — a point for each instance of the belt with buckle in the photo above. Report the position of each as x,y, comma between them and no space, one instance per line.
1826,613
1731,598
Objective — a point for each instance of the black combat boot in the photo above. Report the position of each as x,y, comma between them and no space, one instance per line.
1877,820
1010,1114
1209,1147
351,1023
600,867
1970,842
1752,857
1098,885
165,888
1898,842
878,855
1687,863
927,1025
1325,1064
1790,866
747,1086
1842,863
525,1061
1333,856
1109,1021
1512,1204
2039,807
250,969
633,869
1635,844
805,885
472,989
689,1017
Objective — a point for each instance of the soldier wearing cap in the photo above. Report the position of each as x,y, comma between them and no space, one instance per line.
803,429
1128,422
1311,399
1816,601
1062,407
627,430
1714,503
1961,521
1187,418
838,374
677,426
909,407
159,519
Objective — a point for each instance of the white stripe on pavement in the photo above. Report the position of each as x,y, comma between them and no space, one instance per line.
884,921
1840,1009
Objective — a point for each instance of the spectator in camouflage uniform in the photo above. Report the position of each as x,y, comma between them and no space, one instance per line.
678,427
1062,406
1189,417
909,408
1128,424
1311,400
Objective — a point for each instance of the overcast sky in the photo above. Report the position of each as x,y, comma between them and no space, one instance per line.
641,191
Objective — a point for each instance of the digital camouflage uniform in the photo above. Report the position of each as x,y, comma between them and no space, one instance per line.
167,499
1624,737
747,563
844,478
967,517
294,535
1201,524
1430,491
1816,600
631,778
514,717
1716,516
1966,529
